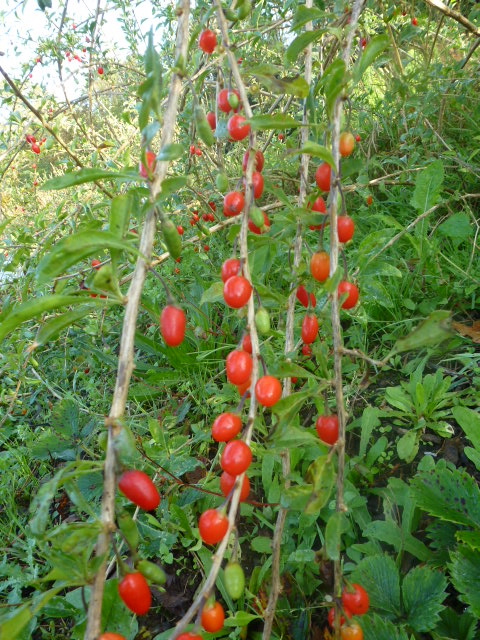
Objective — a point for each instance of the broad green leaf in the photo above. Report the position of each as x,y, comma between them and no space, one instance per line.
212,294
302,556
170,186
301,42
12,627
423,591
321,475
262,544
292,436
336,525
34,309
433,330
120,210
455,625
76,248
333,81
240,619
85,175
453,496
470,538
40,506
374,48
274,121
52,328
457,227
464,568
171,151
305,14
428,186
379,628
318,151
408,445
469,421
380,577
473,455
388,531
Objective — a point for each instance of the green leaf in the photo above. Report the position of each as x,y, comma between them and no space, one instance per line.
377,628
428,186
470,538
318,151
34,309
336,525
274,121
304,15
295,437
464,568
240,619
262,544
53,327
301,42
408,445
83,176
321,475
171,151
457,227
469,421
455,625
473,455
333,81
76,248
369,422
433,330
212,294
374,48
12,627
170,186
120,209
451,495
423,591
379,576
389,531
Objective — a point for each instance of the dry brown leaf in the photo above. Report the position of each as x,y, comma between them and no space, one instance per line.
472,332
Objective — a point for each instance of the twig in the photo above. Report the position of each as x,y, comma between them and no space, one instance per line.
125,360
456,15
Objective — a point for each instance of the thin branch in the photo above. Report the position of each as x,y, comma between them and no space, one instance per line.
125,359
456,15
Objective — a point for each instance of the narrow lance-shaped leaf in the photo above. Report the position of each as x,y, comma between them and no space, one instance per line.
85,175
430,332
52,329
318,151
373,50
301,42
274,121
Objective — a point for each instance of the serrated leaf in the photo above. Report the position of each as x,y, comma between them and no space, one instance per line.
455,625
380,577
34,309
171,151
423,591
470,538
453,496
274,121
428,185
465,575
83,176
336,525
301,42
377,628
373,50
389,531
318,151
76,248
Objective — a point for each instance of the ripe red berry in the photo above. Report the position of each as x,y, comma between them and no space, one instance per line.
207,41
247,343
281,137
150,157
236,127
355,599
189,636
323,177
320,266
309,328
36,148
415,22
358,138
345,228
236,457
319,205
230,267
268,391
212,120
226,485
198,152
226,426
172,325
237,291
233,203
213,617
331,616
346,144
352,291
135,593
306,350
223,102
369,200
30,139
258,184
192,149
212,526
180,230
138,487
111,636
303,297
327,429
239,366
100,71
258,162
96,264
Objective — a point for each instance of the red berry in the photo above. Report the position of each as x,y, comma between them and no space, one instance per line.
331,616
319,205
345,228
306,350
138,487
172,325
192,149
236,457
355,599
180,230
323,177
309,328
96,264
222,100
212,120
30,139
415,22
233,203
327,429
207,41
230,267
236,127
320,266
35,148
351,290
303,297
281,137
226,485
358,138
268,391
189,636
213,617
258,162
239,367
150,157
369,200
198,152
100,71
226,426
237,291
212,526
258,184
134,592
346,144
247,343
111,636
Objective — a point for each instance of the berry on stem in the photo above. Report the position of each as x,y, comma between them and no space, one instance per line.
212,526
135,593
268,391
226,426
207,41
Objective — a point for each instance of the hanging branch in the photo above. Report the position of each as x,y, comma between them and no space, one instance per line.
335,308
456,15
289,346
125,359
